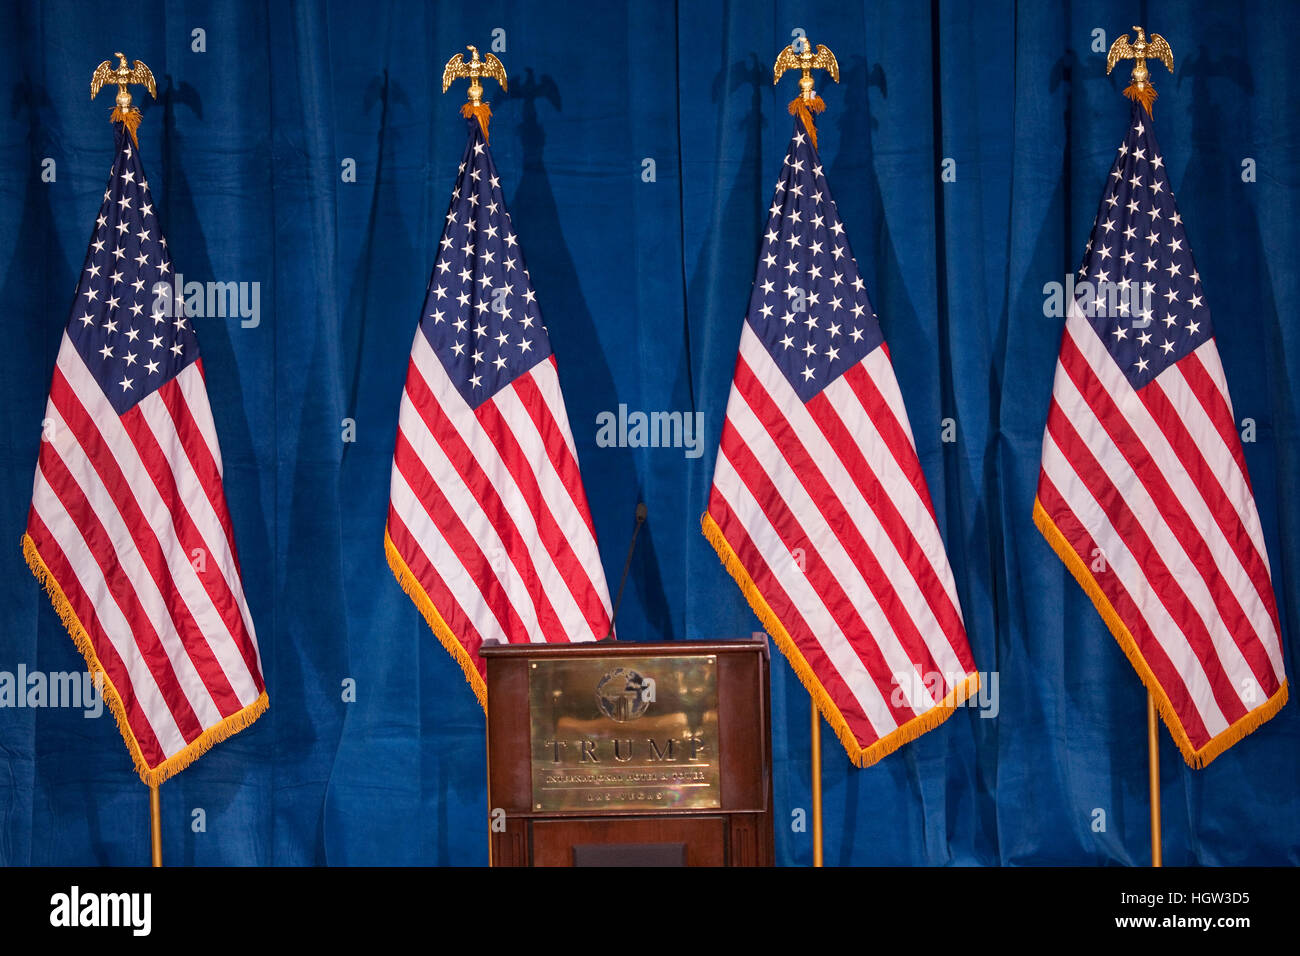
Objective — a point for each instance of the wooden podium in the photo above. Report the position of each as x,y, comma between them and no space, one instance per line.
633,754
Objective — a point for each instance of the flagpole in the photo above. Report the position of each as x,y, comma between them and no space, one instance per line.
155,825
816,785
478,108
1141,90
1153,770
800,55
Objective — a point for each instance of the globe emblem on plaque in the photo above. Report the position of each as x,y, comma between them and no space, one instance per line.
624,695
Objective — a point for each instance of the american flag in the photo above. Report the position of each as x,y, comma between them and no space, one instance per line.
819,508
1143,490
128,528
488,526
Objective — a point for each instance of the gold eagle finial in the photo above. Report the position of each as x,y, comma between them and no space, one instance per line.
1140,88
123,76
807,102
489,66
806,60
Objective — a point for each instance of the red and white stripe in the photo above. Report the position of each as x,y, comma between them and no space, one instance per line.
827,510
1155,483
129,516
488,512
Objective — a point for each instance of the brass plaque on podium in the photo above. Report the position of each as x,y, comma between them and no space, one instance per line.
624,733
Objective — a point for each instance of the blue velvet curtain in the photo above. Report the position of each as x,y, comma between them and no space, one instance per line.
639,144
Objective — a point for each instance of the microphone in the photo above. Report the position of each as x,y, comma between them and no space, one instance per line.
627,565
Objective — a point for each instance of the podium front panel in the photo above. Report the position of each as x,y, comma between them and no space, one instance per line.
624,733
629,752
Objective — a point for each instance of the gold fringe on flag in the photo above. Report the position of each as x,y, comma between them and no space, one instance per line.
483,112
129,118
804,109
1221,741
174,764
415,591
1145,94
861,756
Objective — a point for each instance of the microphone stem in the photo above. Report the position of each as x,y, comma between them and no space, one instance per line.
627,566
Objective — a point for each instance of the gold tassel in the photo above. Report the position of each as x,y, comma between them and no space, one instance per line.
128,118
862,757
480,110
1221,741
415,591
1146,96
174,764
804,109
